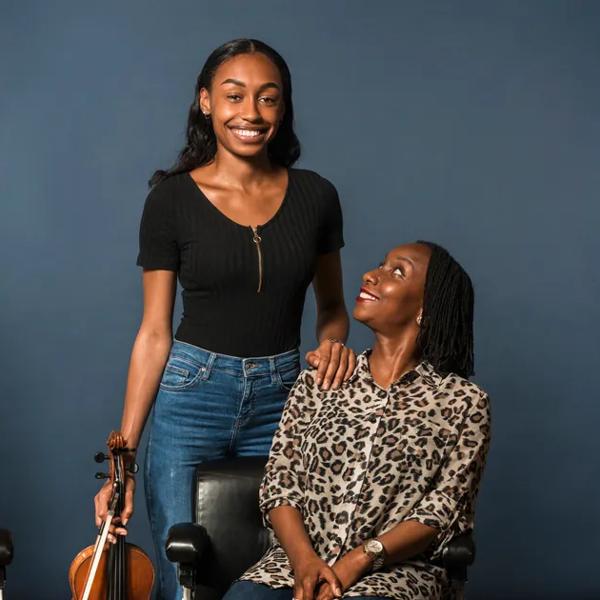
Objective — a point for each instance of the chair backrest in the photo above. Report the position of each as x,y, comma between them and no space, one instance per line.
226,504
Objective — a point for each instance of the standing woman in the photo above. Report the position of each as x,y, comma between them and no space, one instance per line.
246,234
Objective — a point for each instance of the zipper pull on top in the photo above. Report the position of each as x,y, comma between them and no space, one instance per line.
257,240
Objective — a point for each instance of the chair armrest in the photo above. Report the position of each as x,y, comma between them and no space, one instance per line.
457,555
186,543
6,548
6,555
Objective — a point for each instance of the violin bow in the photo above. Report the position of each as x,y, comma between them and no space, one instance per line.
99,546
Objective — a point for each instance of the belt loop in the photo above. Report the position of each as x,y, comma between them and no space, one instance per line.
247,366
273,368
208,366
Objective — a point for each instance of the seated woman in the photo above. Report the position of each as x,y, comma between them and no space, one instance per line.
365,485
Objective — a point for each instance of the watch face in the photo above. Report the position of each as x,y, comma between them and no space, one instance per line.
374,547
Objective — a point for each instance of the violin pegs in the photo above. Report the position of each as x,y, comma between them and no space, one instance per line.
100,475
100,457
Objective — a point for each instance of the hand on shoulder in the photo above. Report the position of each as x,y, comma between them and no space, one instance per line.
334,363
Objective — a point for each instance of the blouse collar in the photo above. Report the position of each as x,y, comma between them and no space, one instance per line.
424,369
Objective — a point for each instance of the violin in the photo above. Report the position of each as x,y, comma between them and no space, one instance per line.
121,571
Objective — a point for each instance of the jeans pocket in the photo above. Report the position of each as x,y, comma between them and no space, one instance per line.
287,376
180,373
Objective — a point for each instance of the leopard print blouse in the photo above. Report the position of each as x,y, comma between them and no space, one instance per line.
359,460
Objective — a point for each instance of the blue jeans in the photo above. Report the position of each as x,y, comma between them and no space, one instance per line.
208,406
248,590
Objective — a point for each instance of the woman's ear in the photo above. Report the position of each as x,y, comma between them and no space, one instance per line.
204,101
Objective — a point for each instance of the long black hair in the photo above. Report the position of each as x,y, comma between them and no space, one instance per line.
446,335
201,143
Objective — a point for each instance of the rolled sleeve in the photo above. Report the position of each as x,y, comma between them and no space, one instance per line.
449,505
284,479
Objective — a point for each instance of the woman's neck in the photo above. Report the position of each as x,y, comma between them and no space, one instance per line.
241,173
391,358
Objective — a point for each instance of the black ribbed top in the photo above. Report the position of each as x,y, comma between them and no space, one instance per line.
217,261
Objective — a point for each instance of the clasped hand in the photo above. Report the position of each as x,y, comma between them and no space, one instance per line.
316,580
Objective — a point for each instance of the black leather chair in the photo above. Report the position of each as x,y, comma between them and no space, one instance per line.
228,535
6,555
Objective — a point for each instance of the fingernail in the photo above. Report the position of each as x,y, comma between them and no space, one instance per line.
319,380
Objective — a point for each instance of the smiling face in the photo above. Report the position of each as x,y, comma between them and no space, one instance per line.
245,104
391,296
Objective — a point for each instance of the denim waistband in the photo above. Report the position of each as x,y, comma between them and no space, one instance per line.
246,367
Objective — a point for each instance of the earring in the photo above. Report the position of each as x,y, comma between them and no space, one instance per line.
419,319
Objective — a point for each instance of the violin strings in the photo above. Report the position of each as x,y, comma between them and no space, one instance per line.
121,573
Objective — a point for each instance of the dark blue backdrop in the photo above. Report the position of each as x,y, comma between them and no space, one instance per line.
474,124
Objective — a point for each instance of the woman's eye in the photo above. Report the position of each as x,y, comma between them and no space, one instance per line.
398,271
234,97
268,100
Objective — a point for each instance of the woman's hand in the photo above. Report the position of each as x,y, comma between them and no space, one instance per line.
101,501
349,569
309,573
334,363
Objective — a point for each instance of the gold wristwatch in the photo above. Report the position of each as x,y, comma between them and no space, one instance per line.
376,552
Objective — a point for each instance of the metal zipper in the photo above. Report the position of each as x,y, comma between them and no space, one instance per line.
257,240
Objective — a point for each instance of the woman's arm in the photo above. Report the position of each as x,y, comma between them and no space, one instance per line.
289,529
309,569
332,317
281,495
150,352
148,357
334,362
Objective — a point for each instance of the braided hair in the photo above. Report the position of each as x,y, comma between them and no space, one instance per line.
446,335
